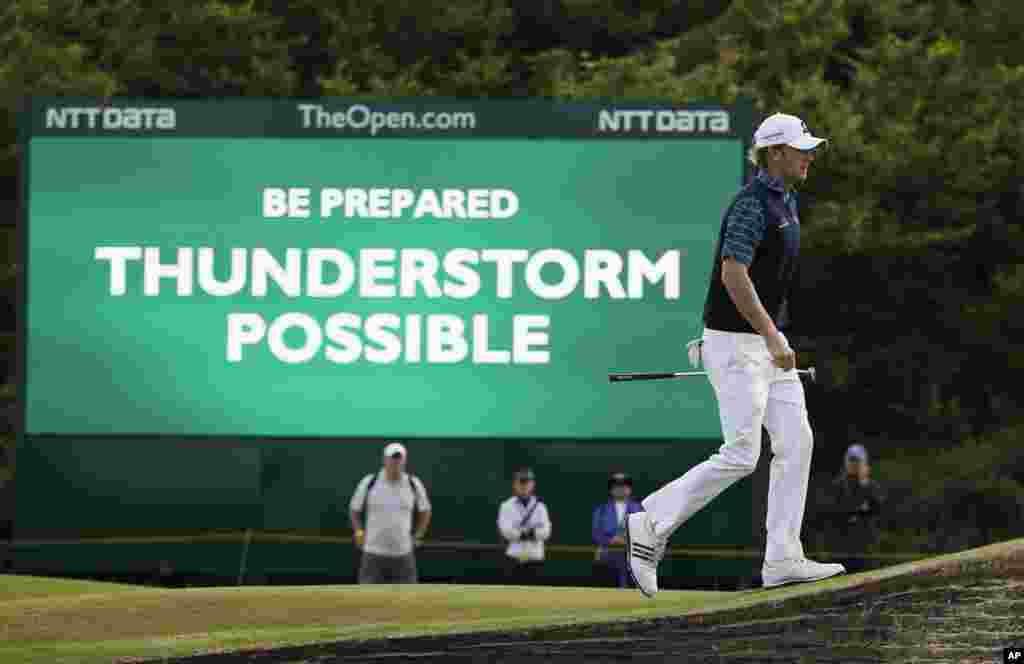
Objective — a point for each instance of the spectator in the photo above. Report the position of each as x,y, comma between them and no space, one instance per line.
608,528
386,503
524,523
855,506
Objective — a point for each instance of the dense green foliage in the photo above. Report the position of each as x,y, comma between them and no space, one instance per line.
914,264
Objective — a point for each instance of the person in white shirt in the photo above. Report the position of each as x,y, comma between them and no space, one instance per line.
524,523
382,509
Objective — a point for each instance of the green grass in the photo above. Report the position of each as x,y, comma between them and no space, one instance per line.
29,587
60,621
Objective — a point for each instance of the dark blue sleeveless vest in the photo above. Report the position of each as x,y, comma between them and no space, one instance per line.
772,270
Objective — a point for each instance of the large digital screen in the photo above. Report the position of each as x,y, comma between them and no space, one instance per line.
346,268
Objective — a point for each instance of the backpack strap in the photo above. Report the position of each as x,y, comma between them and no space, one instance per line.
415,500
415,493
366,497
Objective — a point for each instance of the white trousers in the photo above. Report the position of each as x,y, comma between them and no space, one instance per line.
752,392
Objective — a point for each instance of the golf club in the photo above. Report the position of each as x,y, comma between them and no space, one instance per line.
623,377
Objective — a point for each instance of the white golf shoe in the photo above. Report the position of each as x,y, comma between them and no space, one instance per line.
797,571
644,551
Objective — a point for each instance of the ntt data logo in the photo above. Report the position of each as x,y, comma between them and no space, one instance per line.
664,121
110,118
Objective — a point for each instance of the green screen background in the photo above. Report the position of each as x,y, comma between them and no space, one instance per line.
98,364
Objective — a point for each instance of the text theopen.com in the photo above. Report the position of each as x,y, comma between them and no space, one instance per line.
360,117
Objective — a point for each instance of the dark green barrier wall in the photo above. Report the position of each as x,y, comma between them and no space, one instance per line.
90,487
71,488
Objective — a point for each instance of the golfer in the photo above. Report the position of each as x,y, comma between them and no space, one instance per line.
751,368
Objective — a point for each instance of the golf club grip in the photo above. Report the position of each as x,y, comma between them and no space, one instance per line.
620,377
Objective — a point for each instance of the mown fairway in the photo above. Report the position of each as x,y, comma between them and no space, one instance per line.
48,620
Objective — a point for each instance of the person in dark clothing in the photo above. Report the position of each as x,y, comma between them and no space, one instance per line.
855,509
608,529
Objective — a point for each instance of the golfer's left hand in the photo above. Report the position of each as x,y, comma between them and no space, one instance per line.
782,355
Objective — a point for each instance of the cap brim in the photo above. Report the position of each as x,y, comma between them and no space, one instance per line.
808,142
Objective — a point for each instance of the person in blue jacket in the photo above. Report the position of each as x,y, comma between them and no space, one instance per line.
609,522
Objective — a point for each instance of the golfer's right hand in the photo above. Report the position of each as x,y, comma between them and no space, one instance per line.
782,355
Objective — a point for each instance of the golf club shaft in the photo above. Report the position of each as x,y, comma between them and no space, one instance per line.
662,375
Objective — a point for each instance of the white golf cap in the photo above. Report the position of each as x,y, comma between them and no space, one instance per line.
395,448
782,129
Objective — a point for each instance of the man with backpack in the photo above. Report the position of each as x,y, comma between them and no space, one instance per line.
383,508
524,523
